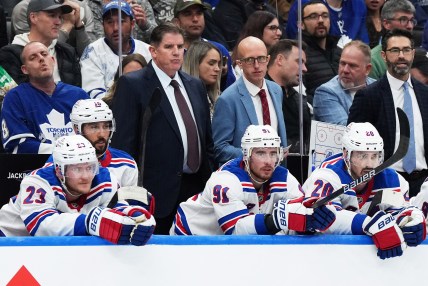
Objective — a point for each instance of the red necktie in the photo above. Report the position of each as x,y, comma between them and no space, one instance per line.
265,107
189,123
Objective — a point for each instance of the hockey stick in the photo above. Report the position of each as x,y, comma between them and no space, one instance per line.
139,193
397,156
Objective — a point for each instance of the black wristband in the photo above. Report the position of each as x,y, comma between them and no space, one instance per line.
270,225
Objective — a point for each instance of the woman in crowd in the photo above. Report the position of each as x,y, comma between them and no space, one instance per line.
373,21
130,63
203,60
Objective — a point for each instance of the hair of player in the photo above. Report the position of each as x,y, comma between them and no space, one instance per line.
159,32
393,6
283,47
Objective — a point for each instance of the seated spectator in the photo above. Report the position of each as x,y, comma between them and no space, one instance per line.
419,68
203,60
250,100
263,25
348,19
373,21
333,99
189,16
76,29
231,16
45,19
130,63
323,50
36,113
71,199
4,38
283,68
101,58
251,195
144,18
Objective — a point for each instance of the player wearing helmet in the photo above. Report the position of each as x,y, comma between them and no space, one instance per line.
68,198
251,195
396,223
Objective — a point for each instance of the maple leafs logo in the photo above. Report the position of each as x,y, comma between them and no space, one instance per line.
55,127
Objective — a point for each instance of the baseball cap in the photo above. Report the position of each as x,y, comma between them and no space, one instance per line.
182,5
115,5
46,5
421,60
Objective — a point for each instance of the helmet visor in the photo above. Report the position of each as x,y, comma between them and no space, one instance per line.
366,160
81,170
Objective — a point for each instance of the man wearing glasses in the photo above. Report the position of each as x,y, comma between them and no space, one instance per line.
322,52
377,102
397,14
250,100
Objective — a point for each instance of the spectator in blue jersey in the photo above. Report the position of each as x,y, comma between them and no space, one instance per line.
333,99
70,198
189,16
347,17
100,59
37,113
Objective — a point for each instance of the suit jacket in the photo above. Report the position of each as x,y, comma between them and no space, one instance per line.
233,112
375,104
163,164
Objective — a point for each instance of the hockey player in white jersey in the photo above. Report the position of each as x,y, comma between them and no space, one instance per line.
69,198
393,223
251,195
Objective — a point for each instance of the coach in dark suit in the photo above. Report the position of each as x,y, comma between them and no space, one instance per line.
168,174
377,102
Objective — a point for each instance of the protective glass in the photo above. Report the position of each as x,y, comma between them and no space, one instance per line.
96,127
80,170
265,154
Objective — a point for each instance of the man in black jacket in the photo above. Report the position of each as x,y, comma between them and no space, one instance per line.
322,52
44,17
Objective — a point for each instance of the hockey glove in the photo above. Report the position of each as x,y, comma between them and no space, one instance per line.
296,216
145,225
137,196
109,224
386,235
412,223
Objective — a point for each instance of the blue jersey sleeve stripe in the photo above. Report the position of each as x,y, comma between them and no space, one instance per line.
357,224
35,227
259,224
80,226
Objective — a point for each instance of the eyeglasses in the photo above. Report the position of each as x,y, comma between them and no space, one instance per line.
252,60
273,28
404,21
316,16
396,51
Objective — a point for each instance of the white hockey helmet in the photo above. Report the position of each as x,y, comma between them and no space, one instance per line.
73,149
259,136
361,136
89,111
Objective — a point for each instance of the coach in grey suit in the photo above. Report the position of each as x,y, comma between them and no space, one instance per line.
377,102
167,174
240,105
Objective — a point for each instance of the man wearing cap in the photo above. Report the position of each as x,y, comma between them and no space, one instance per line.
45,20
100,59
189,16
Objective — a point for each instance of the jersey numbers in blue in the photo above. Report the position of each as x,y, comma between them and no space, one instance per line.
219,194
322,189
35,196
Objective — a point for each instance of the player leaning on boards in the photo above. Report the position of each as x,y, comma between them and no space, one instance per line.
251,195
396,223
69,197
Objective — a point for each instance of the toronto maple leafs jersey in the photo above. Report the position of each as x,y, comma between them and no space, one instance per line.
119,163
229,203
352,208
41,209
99,65
32,120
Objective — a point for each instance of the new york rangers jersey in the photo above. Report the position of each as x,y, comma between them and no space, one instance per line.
33,120
41,209
99,65
332,174
119,163
229,203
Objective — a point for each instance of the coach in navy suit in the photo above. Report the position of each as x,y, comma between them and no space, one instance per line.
240,104
167,174
377,102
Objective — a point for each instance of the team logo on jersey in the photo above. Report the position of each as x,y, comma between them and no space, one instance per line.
55,127
4,129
